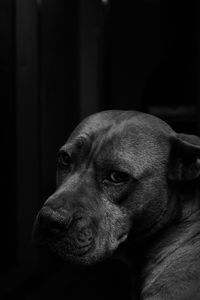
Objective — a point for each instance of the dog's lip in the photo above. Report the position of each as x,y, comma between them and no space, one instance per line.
84,250
123,236
80,250
49,238
74,252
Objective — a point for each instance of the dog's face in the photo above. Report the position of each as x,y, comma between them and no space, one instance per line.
111,183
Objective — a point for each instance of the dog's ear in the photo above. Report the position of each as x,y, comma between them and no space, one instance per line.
184,164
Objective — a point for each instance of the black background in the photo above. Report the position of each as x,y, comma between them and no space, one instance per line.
59,62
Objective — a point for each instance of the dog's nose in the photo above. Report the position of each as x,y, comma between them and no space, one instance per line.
52,221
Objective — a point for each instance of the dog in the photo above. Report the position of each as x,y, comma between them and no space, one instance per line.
126,180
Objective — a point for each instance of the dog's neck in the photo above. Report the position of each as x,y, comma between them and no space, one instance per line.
183,209
189,197
145,256
183,231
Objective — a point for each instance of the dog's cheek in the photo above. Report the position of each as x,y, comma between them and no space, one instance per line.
113,227
149,204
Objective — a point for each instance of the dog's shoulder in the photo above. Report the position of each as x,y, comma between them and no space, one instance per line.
173,268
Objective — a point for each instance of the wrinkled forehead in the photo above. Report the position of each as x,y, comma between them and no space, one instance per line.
122,121
122,139
133,143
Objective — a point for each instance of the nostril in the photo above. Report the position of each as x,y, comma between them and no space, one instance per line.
57,225
44,218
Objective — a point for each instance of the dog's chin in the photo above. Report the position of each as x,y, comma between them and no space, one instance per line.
70,250
88,255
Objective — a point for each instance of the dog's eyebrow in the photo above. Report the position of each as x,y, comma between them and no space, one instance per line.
79,142
121,162
115,162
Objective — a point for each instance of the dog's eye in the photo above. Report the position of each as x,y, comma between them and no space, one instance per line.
64,159
117,177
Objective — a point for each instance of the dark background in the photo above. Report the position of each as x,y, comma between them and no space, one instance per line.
59,62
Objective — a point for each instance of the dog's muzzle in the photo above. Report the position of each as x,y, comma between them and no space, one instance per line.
55,228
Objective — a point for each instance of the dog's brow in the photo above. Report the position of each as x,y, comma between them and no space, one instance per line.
125,163
116,162
77,143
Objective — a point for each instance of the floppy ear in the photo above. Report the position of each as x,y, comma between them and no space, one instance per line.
184,162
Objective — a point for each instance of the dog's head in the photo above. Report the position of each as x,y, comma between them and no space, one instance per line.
113,182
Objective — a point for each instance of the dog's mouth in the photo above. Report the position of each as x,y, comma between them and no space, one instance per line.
68,250
77,241
122,237
75,248
83,250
